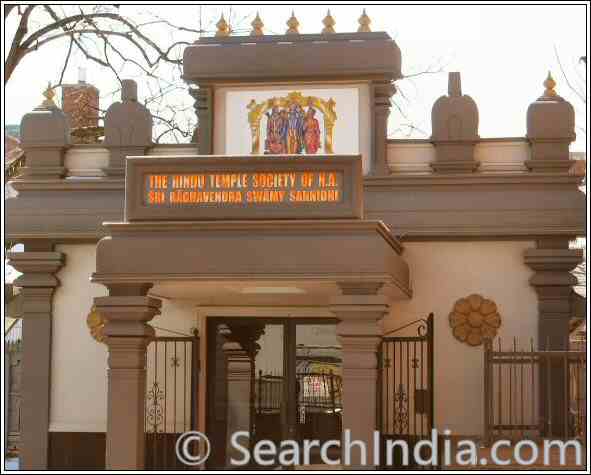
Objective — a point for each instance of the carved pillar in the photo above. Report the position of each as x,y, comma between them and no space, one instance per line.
238,367
45,136
553,262
128,129
382,92
127,311
359,309
38,282
204,109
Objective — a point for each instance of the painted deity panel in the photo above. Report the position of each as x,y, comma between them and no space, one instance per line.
299,121
294,124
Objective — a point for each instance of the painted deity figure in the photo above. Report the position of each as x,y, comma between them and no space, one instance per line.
290,130
275,127
311,131
295,131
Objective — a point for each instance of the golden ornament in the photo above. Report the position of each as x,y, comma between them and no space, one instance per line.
473,319
96,324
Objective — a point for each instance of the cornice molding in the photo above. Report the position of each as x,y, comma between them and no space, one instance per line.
472,179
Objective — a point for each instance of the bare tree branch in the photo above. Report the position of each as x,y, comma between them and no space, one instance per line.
577,92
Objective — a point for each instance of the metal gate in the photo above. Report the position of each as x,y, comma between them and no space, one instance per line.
171,398
405,391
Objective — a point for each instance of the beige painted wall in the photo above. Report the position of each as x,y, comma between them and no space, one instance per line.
443,272
79,363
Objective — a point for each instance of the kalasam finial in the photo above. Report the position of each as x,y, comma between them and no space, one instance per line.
329,23
223,29
364,22
257,26
292,25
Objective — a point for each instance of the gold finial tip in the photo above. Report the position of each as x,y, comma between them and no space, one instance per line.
329,23
292,24
223,29
257,26
364,22
549,85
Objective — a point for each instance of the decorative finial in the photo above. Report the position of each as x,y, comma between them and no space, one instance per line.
549,85
328,23
454,84
49,94
364,22
223,27
257,26
293,25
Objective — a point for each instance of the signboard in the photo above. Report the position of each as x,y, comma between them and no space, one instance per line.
249,187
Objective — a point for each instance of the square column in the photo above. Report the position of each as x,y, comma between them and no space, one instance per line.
127,336
552,262
359,309
239,367
38,283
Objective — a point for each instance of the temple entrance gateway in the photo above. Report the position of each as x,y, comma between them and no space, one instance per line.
276,379
315,255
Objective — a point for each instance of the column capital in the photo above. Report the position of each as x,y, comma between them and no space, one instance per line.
238,360
552,262
360,288
127,316
38,268
359,301
552,259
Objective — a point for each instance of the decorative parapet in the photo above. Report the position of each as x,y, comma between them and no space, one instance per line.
550,130
455,130
45,136
128,129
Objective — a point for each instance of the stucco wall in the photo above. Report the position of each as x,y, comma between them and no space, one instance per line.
443,272
79,363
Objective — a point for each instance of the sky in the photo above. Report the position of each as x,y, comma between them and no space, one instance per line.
503,52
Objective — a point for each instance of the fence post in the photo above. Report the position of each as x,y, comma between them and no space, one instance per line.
487,390
431,356
195,369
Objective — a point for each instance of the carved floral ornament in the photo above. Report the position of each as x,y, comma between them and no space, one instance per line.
473,319
96,324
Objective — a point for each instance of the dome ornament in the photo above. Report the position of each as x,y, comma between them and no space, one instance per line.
364,22
257,26
329,23
292,25
223,29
